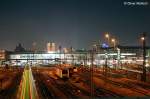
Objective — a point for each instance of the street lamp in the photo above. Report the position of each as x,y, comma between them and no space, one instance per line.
107,36
143,38
60,48
114,42
34,50
118,57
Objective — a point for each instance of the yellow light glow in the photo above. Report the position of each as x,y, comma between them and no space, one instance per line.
107,35
142,38
113,40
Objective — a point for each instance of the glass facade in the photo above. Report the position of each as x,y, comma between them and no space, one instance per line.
84,58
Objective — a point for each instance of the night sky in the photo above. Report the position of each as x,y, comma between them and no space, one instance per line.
75,23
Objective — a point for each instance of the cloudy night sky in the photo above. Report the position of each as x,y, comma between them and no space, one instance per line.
75,23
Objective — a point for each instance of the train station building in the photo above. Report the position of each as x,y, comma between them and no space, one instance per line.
120,55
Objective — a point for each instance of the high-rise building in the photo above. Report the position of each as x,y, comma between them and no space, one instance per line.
19,48
2,54
34,46
51,47
48,47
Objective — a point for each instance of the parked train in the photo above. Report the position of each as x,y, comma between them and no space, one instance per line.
65,72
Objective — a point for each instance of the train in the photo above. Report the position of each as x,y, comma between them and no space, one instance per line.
65,72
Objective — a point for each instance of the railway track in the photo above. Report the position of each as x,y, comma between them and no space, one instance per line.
98,92
46,94
10,92
77,88
64,88
129,86
67,90
105,93
141,85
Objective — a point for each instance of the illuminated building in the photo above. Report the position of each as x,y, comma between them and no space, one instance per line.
19,48
127,54
51,47
3,56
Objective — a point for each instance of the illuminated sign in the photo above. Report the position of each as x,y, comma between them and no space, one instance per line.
104,45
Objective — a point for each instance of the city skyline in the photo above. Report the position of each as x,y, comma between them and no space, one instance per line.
74,49
75,23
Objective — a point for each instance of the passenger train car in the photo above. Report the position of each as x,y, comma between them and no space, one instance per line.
65,72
